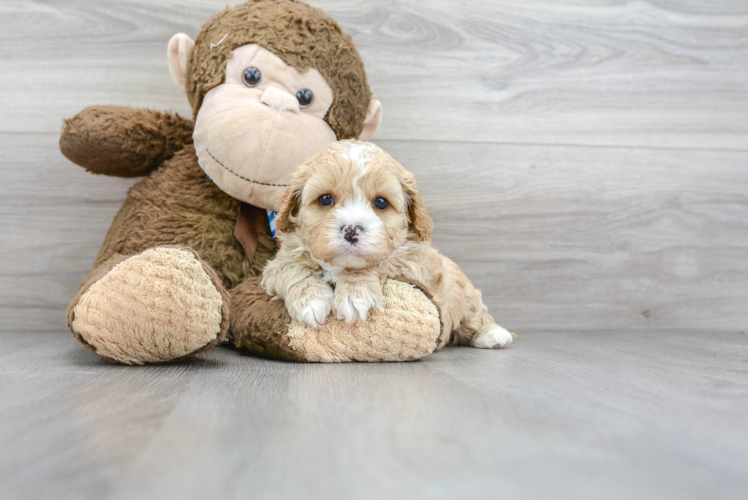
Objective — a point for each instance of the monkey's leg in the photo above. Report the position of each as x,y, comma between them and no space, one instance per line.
160,305
406,328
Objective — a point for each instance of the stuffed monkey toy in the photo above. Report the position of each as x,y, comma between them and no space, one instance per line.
271,83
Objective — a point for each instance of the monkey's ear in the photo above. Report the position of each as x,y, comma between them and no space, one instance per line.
180,48
372,120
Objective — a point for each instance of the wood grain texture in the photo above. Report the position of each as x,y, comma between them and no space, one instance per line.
585,163
555,236
596,72
558,415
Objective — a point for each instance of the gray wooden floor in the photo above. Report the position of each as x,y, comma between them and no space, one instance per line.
586,163
647,415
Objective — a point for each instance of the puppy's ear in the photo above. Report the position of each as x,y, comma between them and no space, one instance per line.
419,216
285,221
286,218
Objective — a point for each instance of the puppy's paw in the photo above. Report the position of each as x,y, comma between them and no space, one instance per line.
313,307
352,308
495,338
315,313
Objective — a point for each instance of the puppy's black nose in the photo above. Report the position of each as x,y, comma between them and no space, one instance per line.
351,233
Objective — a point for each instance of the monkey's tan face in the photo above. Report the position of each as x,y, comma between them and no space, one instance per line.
253,131
353,211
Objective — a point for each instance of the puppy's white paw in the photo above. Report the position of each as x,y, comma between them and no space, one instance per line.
495,338
315,313
353,309
313,310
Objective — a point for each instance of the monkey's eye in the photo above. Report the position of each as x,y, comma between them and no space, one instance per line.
252,76
325,200
305,97
381,203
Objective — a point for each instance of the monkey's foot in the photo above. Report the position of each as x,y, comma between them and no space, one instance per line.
156,306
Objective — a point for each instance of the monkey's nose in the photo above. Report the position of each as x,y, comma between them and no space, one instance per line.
280,100
351,233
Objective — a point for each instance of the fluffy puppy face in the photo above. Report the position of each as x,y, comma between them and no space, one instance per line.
353,206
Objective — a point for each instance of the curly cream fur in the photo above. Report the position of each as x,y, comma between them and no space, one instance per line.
312,259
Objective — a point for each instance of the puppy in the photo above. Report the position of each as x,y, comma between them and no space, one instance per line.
351,218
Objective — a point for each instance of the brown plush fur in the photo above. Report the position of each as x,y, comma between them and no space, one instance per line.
259,324
176,205
144,139
311,39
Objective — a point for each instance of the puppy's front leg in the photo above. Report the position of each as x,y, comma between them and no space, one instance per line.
308,299
356,293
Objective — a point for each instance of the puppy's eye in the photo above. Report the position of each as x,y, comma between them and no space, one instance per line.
252,76
325,200
381,203
305,97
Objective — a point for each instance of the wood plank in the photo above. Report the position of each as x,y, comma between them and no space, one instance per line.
651,74
575,238
556,236
650,415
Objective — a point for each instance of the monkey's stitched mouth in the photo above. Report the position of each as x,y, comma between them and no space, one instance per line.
242,177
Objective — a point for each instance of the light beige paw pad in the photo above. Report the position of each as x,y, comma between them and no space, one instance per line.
156,306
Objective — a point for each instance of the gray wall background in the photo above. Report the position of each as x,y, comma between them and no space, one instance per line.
586,163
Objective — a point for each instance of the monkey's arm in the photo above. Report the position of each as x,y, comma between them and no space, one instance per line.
122,141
